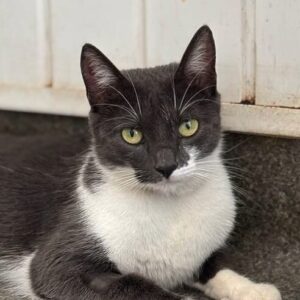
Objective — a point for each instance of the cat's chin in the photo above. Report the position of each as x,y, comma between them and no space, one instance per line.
174,186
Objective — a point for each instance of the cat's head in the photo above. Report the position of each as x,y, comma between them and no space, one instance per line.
155,129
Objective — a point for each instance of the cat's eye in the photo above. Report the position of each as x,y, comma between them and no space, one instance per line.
188,128
132,136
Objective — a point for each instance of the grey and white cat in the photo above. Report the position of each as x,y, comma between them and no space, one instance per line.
143,207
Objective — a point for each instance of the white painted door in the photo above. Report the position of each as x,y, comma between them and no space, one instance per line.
115,27
171,25
24,50
278,53
258,46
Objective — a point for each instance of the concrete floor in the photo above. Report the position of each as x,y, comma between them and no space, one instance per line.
266,174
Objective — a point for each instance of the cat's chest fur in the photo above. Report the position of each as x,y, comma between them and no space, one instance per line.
163,238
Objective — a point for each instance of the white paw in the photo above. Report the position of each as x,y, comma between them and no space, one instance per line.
260,291
228,285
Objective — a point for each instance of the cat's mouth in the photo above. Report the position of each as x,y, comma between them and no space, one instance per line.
155,178
167,187
177,182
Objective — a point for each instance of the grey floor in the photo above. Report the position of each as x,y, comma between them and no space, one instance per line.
266,173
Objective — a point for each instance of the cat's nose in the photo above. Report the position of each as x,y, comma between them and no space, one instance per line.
165,162
167,170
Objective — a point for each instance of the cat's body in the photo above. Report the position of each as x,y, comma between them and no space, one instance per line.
163,237
176,232
137,209
35,186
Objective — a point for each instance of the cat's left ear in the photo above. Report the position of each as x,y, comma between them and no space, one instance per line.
99,73
197,66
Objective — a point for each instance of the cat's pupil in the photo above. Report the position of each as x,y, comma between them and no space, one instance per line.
132,132
188,125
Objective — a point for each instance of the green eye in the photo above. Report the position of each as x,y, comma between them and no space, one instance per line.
132,136
188,128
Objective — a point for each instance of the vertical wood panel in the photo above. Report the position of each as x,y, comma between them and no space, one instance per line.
115,27
25,53
278,53
248,62
172,23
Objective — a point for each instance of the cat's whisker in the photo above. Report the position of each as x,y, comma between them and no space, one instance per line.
135,91
172,79
240,190
186,90
188,105
174,94
210,162
193,79
201,90
165,111
237,170
208,174
237,145
200,178
125,179
232,170
224,159
127,101
128,118
126,183
118,106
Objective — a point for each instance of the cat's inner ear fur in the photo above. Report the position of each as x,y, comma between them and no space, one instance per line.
98,72
197,65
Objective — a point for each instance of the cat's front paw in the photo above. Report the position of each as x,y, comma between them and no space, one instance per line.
256,291
228,285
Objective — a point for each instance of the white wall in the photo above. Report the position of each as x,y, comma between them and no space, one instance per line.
257,52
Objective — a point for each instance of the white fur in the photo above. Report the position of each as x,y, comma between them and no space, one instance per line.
232,286
165,232
102,73
15,273
198,61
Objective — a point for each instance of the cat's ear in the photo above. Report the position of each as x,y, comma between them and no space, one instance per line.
98,72
197,66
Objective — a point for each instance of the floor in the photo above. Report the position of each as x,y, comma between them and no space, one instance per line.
266,174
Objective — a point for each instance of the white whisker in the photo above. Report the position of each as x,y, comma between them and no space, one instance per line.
237,145
173,88
195,94
127,101
118,118
188,105
136,94
192,80
119,106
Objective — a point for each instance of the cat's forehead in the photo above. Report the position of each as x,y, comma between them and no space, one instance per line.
153,89
152,79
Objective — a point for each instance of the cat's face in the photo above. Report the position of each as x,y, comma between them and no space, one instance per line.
154,129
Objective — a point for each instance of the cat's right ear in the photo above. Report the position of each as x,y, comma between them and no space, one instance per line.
99,74
197,66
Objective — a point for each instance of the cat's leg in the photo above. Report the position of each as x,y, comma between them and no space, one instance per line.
115,286
64,278
225,284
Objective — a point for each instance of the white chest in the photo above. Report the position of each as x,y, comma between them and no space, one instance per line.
163,239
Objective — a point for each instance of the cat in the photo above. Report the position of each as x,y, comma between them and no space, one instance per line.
141,207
